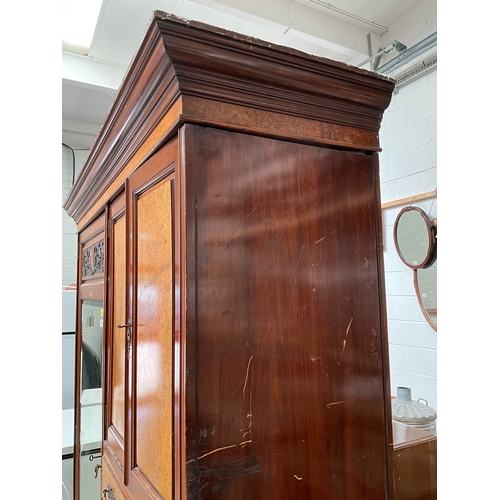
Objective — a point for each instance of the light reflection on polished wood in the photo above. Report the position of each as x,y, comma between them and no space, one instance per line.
290,376
164,128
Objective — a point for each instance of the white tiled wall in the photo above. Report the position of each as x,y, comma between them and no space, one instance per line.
69,239
408,166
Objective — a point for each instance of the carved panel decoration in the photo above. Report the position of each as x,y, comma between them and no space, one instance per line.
93,260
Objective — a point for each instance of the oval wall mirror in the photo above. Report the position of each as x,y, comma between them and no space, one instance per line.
425,281
415,238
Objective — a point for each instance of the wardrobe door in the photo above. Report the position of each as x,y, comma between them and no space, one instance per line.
115,410
151,303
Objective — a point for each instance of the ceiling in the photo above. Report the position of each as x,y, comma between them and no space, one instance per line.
337,29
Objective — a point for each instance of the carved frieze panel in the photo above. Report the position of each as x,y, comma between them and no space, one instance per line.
93,260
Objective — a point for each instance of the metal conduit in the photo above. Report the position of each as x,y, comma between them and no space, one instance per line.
411,53
349,14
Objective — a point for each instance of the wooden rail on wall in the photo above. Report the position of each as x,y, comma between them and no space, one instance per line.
410,199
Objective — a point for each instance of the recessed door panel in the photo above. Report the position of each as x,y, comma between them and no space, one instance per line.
116,400
153,382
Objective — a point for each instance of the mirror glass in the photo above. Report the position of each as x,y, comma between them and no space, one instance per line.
426,288
90,399
414,238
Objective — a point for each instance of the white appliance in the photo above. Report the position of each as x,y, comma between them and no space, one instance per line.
68,348
68,389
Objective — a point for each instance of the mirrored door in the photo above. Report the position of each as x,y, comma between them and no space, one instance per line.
91,399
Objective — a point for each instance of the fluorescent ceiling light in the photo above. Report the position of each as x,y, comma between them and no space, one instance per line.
79,23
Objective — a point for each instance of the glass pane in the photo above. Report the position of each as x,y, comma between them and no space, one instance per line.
90,399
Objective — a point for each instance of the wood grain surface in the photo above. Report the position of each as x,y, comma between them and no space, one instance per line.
290,396
153,376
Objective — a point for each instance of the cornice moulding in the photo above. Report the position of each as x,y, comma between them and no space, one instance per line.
182,58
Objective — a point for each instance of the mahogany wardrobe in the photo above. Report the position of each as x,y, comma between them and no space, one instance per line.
229,221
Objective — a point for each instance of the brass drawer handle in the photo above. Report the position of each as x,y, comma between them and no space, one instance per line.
108,494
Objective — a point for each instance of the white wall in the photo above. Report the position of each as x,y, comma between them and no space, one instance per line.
69,239
408,166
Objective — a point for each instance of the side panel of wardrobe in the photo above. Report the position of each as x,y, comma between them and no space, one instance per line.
287,322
